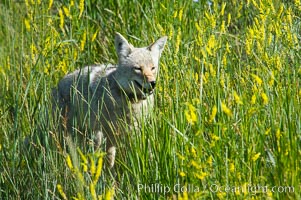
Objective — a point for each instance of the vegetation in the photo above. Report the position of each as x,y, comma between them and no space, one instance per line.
227,123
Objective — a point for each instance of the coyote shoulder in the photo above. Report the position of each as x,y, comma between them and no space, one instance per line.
99,99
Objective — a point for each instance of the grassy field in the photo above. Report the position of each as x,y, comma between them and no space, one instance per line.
227,123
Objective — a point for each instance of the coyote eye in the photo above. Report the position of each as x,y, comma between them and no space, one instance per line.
137,69
153,68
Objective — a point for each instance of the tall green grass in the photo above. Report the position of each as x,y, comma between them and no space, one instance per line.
227,118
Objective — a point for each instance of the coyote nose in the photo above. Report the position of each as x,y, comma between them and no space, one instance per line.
153,84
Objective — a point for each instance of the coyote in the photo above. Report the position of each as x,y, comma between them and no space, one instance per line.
98,99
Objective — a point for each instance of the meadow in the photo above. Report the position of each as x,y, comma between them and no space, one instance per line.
227,121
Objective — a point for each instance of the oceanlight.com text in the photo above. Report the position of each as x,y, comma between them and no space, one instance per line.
251,189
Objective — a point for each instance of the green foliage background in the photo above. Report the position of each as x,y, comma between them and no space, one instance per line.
228,98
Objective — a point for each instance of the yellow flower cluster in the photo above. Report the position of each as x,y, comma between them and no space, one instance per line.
190,114
191,111
87,164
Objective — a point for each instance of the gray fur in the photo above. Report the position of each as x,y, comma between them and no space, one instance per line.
102,98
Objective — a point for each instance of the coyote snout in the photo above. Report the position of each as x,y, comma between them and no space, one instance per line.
101,99
146,80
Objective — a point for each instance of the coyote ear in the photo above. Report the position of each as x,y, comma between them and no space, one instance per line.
157,47
122,46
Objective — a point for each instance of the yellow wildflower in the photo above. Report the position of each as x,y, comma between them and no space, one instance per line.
270,38
92,166
223,9
27,24
82,156
226,110
170,34
84,166
109,194
196,77
231,167
228,50
221,195
197,59
196,101
278,134
34,51
69,162
178,41
4,74
67,12
224,60
222,81
181,14
278,62
210,161
248,46
83,41
46,46
175,14
297,3
98,169
244,188
27,4
198,28
272,80
180,156
75,55
237,98
164,7
79,197
92,191
61,191
190,114
185,195
161,29
289,16
208,50
253,99
211,19
50,4
269,194
214,137
61,19
213,114
223,29
264,98
211,42
267,132
256,156
201,175
242,81
212,70
257,79
81,8
259,45
204,77
195,164
237,192
62,65
251,33
193,151
229,19
182,174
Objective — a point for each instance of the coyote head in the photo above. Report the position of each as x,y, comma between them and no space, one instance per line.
137,67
